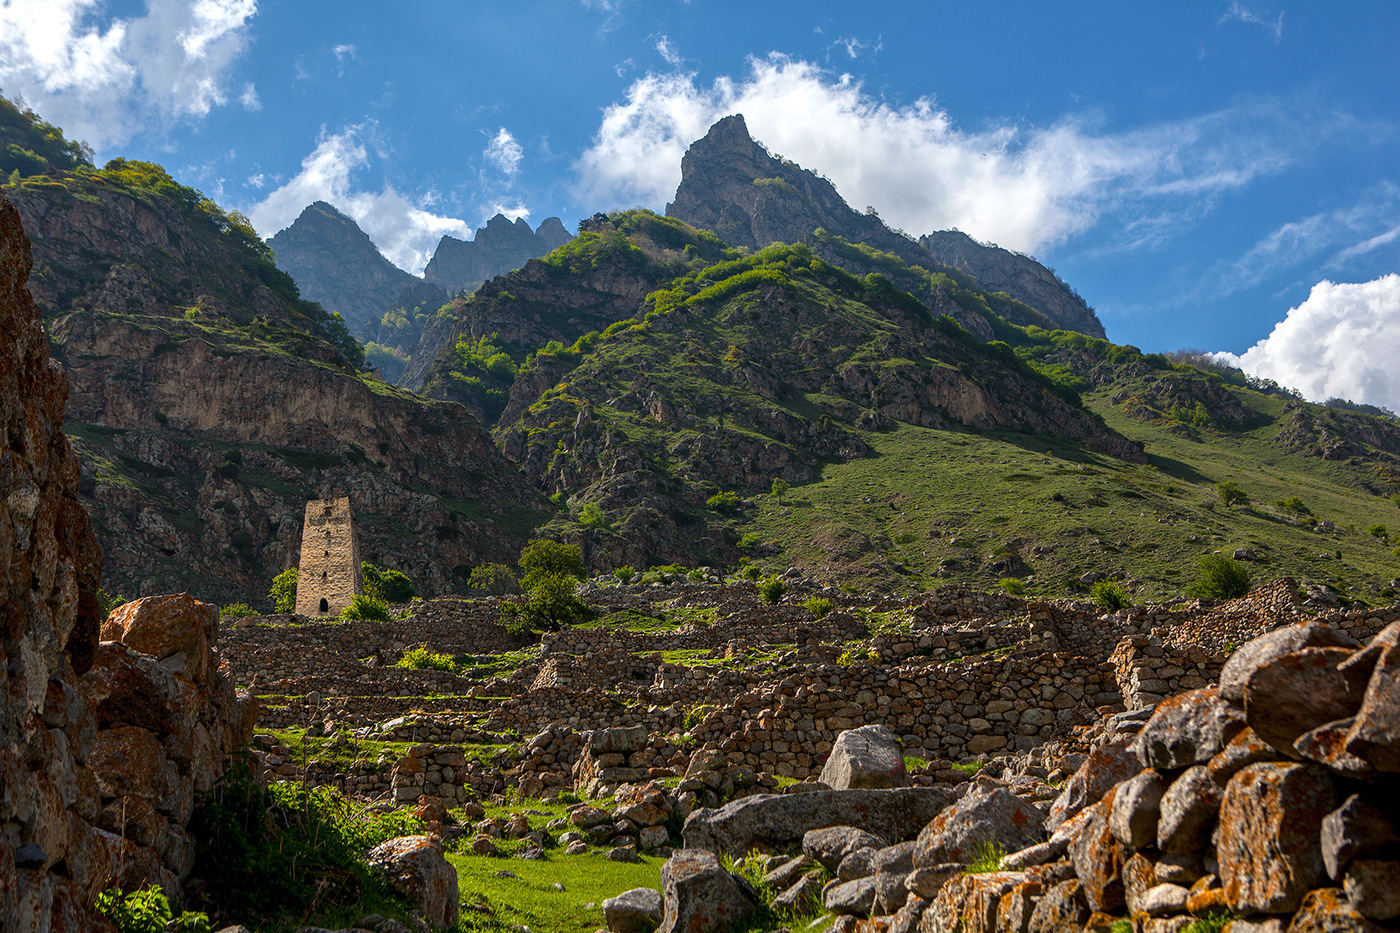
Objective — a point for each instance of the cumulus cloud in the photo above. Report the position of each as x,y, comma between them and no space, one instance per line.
1341,342
102,77
1238,13
1024,188
668,52
403,228
504,153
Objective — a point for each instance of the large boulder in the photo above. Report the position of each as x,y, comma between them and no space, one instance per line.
1358,829
634,911
415,866
1137,807
870,756
1268,844
1187,811
699,895
1266,649
1296,693
1187,729
177,630
985,817
773,821
1098,859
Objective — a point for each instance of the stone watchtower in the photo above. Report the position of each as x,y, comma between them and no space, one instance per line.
329,573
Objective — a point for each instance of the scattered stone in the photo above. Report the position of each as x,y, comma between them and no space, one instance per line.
415,866
983,817
1358,829
1295,693
699,895
1106,767
1265,649
1187,729
869,757
634,911
1137,808
855,898
831,846
1188,811
1375,736
1326,910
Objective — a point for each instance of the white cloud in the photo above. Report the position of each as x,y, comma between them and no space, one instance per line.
103,77
511,212
668,52
1341,342
249,98
1024,188
403,228
1302,240
504,153
1238,13
343,52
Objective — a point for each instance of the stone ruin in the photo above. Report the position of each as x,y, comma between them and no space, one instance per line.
328,576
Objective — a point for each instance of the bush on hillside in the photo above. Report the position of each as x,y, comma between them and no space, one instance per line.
421,659
771,589
1109,595
724,502
389,585
1220,578
366,608
818,606
1231,494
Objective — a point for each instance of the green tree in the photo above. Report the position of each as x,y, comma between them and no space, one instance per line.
1231,494
780,488
545,557
592,514
284,591
389,585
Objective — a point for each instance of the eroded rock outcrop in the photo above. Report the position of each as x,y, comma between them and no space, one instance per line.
498,247
102,747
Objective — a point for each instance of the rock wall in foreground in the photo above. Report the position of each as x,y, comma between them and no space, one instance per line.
103,744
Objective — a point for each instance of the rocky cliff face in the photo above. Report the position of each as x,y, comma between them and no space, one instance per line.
1021,277
208,406
334,262
497,248
103,745
730,184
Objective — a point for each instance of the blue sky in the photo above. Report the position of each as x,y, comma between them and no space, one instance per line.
1195,170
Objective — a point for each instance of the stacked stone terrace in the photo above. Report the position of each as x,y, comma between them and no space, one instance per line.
955,675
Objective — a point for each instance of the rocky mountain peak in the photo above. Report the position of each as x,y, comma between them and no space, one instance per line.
497,248
334,262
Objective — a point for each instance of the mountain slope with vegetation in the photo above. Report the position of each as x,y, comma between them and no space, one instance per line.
208,401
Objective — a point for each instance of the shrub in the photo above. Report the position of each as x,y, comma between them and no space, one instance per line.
550,601
750,540
1109,595
752,572
106,602
1376,531
265,854
1231,494
1012,586
1295,505
780,488
284,591
624,573
1220,578
771,589
365,608
724,502
494,579
421,659
592,514
146,910
818,606
389,585
237,611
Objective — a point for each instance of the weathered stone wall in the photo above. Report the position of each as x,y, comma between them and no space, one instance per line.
328,576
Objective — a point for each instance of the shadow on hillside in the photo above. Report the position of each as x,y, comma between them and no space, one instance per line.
1178,469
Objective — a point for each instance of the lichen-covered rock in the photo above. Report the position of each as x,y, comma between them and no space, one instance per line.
1062,909
1105,767
1297,692
1375,735
1358,829
1187,729
1242,751
1326,910
870,756
855,897
1016,906
1137,809
1265,649
1268,845
634,911
415,866
1188,811
1098,860
773,821
985,816
831,845
699,895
